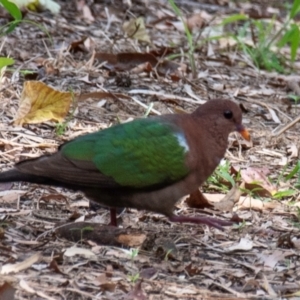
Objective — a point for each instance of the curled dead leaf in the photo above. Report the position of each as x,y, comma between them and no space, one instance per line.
256,181
41,103
135,28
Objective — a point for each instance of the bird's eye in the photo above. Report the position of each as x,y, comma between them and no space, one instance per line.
228,114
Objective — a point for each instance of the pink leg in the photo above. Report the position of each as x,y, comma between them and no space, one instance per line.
213,222
113,217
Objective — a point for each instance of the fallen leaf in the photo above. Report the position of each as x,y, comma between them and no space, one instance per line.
228,202
256,180
272,260
135,28
41,103
25,264
243,245
131,240
72,251
198,20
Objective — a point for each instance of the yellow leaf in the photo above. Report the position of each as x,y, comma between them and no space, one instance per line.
135,28
40,103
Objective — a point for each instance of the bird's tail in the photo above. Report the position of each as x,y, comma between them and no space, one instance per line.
14,175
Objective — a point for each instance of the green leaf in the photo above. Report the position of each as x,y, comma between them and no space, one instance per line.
6,61
293,172
285,39
295,9
10,27
294,41
234,18
282,194
291,36
225,175
12,8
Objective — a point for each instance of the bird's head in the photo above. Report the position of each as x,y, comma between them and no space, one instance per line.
223,116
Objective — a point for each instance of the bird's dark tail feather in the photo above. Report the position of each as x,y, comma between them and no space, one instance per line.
14,175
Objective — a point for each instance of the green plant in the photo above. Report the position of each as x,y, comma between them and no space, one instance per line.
282,194
60,128
295,171
189,37
265,37
133,253
6,61
290,192
221,176
82,230
260,53
167,254
291,31
240,226
134,278
295,98
15,12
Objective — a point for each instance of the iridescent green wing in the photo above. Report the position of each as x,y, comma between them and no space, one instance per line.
139,154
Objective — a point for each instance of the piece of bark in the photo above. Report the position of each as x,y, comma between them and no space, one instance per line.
101,234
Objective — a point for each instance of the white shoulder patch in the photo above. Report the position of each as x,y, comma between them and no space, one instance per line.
182,141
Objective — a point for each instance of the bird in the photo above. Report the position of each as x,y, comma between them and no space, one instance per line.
146,164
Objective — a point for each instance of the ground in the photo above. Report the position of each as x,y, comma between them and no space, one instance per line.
148,257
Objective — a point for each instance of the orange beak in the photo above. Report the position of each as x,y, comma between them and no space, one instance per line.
244,132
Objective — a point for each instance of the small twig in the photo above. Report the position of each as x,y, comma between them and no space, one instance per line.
286,127
163,95
145,106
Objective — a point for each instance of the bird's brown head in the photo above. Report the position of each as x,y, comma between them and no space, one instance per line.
222,116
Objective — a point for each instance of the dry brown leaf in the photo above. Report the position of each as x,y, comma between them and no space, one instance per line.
198,20
41,103
228,202
131,240
135,28
257,181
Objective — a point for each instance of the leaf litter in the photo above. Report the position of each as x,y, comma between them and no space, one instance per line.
54,247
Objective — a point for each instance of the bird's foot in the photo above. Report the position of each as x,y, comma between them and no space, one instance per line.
213,222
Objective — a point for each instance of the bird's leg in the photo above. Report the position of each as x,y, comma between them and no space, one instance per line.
213,222
113,217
